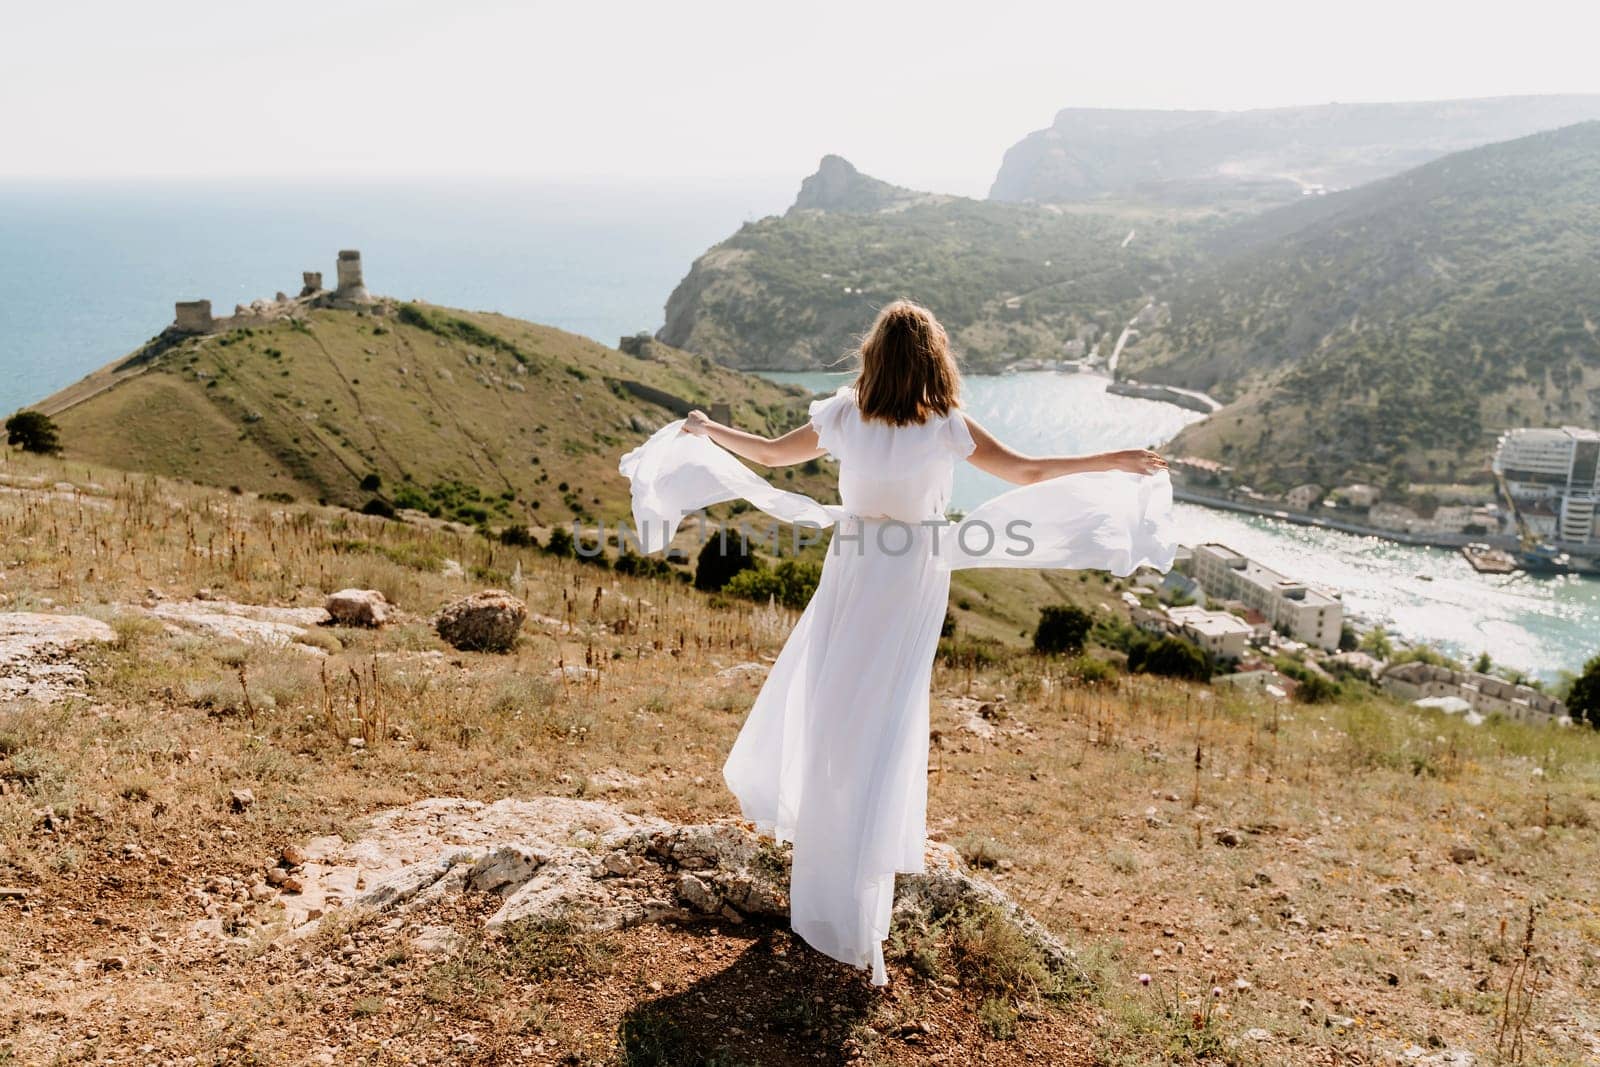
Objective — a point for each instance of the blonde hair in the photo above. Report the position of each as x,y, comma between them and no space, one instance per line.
908,373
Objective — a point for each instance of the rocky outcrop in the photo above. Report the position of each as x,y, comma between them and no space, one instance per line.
36,653
483,622
358,607
551,858
249,623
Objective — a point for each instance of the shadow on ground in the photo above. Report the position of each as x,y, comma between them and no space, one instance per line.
778,1002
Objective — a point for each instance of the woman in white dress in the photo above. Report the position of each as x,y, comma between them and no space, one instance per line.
834,754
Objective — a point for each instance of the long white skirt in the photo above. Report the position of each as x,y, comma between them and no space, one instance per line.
834,754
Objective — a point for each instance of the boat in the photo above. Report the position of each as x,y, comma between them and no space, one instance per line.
1541,558
1487,560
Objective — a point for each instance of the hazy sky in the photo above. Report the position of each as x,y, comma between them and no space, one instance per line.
925,94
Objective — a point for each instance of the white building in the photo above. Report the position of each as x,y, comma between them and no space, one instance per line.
1559,468
1486,693
1219,633
1290,606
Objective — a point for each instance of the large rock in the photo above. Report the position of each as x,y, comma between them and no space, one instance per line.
588,861
483,622
357,607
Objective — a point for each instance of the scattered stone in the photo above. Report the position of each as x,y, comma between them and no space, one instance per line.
1256,1033
358,607
1227,837
452,568
240,801
1463,854
13,892
436,940
487,621
293,855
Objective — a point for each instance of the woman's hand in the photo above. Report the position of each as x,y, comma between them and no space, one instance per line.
1137,461
698,423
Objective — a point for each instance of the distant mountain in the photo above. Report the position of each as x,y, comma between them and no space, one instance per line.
1389,331
472,415
1260,157
1010,281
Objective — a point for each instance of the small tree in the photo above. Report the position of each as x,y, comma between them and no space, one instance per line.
1062,629
1171,657
1484,664
721,557
33,431
1583,701
1377,643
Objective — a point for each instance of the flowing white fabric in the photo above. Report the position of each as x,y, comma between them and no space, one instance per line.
834,753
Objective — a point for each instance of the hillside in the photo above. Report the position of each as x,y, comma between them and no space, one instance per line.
472,415
1252,159
1239,881
1009,281
1387,333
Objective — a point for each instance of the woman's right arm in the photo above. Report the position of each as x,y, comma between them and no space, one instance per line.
994,457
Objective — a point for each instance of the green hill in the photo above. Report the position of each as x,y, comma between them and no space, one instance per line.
1253,159
470,415
1010,281
1388,332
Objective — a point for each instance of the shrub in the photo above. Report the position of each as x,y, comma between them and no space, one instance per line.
720,559
518,536
33,431
561,543
372,483
378,506
790,583
1583,700
1315,689
1062,628
1170,657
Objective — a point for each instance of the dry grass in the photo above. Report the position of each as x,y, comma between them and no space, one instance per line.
1355,933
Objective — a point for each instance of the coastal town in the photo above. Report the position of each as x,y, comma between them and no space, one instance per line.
1271,634
1536,509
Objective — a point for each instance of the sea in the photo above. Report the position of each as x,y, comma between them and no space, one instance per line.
90,270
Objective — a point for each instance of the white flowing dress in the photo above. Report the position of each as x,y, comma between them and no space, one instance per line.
834,754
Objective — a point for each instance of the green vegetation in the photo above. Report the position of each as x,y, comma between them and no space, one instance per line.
33,431
720,559
1008,281
445,325
1062,629
790,583
1583,699
1385,333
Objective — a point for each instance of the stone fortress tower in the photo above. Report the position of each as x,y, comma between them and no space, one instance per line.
195,317
351,287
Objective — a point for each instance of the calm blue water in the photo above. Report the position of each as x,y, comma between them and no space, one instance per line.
1541,625
89,271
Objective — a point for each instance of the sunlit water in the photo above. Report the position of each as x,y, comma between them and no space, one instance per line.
1542,625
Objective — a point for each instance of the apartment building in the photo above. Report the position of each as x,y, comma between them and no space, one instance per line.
1558,469
1291,607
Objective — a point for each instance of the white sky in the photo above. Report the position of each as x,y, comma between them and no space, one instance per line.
924,94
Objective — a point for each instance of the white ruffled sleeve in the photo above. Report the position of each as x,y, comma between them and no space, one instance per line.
827,417
958,435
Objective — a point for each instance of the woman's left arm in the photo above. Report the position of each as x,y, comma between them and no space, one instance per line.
796,446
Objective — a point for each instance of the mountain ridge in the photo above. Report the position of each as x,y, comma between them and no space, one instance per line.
1263,156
